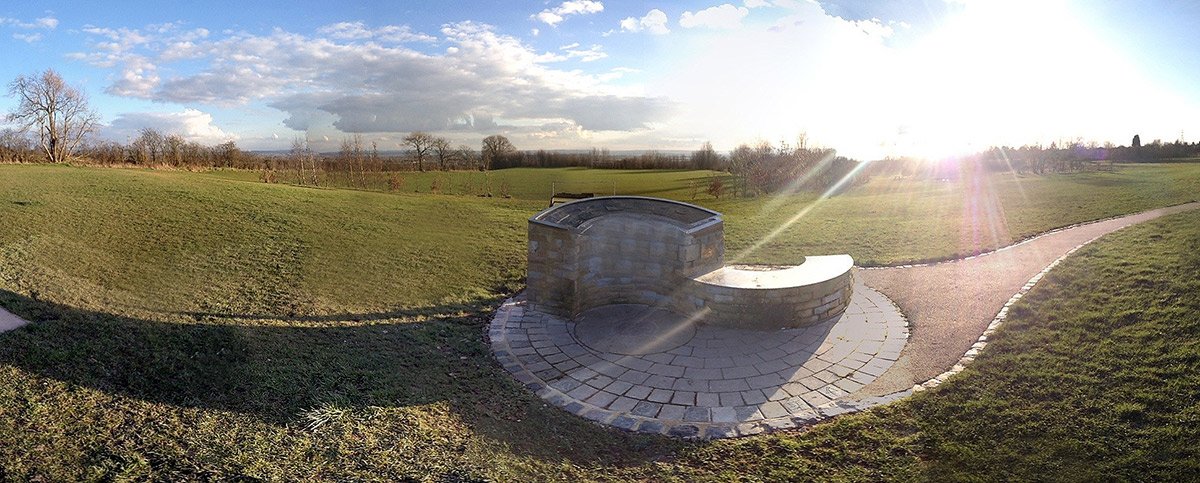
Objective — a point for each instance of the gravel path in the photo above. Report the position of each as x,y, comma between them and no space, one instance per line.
950,304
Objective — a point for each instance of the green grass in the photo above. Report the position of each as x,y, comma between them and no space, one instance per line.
197,326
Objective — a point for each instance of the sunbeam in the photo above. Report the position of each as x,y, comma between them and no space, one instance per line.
800,214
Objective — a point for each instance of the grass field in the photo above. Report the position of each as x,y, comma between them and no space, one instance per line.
208,326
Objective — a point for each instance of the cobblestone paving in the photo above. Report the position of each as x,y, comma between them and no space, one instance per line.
720,383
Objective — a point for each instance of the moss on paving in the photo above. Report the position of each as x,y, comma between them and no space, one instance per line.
190,326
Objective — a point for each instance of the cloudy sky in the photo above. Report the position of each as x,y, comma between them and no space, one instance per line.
915,77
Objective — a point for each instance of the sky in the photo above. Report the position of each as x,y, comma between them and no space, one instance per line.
871,79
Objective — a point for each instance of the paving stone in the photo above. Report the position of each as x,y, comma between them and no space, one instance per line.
696,385
601,399
754,396
775,393
772,409
661,382
651,427
684,431
565,384
623,404
794,405
647,409
707,399
671,412
618,387
688,361
772,366
624,422
694,373
599,382
635,377
720,431
766,380
638,392
684,398
731,399
582,392
718,362
728,385
661,395
635,363
724,414
697,415
815,399
666,370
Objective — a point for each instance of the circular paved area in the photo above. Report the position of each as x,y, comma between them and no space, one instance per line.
689,380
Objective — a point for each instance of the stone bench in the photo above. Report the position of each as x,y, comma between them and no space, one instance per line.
760,297
660,253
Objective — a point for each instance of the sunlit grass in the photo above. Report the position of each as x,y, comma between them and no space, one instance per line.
189,326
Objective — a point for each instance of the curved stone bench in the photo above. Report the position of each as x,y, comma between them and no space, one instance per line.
759,297
612,250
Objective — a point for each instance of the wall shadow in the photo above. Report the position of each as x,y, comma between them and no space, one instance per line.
277,372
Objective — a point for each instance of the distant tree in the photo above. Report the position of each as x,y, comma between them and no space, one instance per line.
1137,141
227,154
495,148
443,152
421,144
466,155
147,148
59,112
706,158
15,147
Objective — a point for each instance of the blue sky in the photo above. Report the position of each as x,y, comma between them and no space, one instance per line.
916,77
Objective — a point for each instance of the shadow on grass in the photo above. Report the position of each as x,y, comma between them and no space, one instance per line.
278,372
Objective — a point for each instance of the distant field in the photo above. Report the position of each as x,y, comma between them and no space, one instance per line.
193,326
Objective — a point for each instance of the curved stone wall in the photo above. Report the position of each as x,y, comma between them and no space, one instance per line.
774,297
633,250
608,250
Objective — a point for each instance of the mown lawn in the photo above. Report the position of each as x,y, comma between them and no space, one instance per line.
193,326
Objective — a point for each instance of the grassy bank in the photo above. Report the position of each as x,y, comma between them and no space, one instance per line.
193,326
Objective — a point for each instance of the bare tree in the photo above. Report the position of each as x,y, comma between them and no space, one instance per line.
466,155
421,143
495,148
58,111
147,147
443,151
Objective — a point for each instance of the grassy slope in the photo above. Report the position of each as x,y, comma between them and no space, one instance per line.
144,362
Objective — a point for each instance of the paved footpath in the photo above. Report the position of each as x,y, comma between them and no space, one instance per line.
950,304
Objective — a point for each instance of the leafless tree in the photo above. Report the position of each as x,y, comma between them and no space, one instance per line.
304,161
421,143
147,147
443,151
58,111
15,147
466,155
495,147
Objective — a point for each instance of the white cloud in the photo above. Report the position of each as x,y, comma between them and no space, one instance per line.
654,22
191,124
756,3
724,16
482,82
43,23
593,53
28,38
387,33
552,16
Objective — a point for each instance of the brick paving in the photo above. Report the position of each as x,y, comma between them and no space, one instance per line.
719,382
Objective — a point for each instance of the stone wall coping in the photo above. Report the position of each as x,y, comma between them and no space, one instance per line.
571,222
814,270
